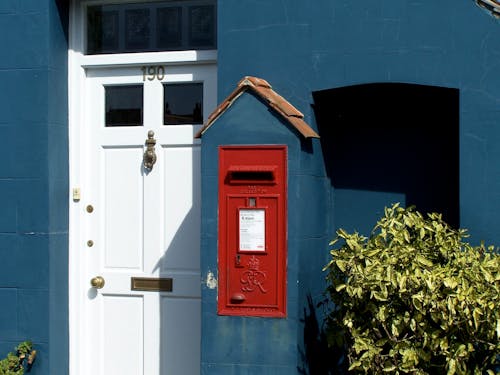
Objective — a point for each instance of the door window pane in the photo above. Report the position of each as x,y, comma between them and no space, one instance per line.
124,105
169,27
102,36
152,26
137,29
201,25
182,103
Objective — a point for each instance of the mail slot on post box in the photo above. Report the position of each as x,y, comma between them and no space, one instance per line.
252,230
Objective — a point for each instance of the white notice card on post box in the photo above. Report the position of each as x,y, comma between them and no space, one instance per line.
252,230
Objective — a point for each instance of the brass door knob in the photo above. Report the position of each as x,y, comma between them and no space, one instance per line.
97,282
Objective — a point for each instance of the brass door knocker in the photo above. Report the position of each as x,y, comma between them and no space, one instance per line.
149,158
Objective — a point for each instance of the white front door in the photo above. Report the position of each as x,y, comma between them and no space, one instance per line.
140,227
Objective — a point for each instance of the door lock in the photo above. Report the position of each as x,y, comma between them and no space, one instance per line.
149,158
97,282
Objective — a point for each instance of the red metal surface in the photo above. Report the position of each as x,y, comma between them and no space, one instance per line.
252,254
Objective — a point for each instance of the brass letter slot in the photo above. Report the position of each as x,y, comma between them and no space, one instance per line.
151,284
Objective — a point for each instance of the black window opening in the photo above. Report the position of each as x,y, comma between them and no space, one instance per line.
151,26
386,142
124,105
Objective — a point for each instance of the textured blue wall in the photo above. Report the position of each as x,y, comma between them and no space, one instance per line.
303,46
244,345
33,180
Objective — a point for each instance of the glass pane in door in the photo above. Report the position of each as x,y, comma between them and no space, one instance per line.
137,25
169,28
182,103
173,25
124,105
202,25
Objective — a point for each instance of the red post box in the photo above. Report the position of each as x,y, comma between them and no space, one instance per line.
252,230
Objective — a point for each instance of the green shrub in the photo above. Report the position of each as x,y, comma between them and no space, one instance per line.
15,364
414,298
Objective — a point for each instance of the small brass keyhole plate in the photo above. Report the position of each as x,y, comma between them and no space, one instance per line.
90,208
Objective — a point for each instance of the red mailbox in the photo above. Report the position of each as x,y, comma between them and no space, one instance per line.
252,230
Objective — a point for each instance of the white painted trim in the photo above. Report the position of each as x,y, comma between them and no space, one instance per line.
74,103
166,58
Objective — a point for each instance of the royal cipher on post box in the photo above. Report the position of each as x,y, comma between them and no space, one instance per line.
252,230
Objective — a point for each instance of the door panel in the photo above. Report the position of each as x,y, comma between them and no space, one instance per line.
143,223
182,315
182,247
126,331
123,233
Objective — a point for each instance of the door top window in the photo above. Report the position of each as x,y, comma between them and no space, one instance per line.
152,26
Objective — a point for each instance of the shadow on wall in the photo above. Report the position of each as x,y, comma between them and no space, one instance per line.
382,143
317,357
398,139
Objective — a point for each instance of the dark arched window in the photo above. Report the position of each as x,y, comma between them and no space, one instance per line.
387,142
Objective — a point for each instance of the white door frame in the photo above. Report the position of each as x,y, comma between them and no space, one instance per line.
77,63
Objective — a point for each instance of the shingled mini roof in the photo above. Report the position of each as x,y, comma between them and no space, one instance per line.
262,89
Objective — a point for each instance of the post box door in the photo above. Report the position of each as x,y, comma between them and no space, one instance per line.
252,231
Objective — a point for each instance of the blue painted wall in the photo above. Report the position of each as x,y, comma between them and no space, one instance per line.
33,180
301,47
304,46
